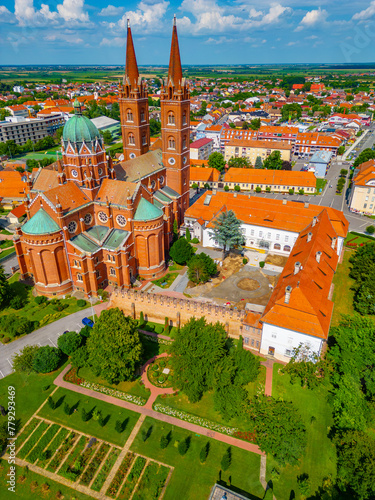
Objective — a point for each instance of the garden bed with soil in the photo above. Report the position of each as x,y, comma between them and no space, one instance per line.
160,373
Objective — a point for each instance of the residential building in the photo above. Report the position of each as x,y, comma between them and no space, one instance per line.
201,149
320,162
278,181
307,143
251,149
20,130
18,110
362,191
203,176
12,187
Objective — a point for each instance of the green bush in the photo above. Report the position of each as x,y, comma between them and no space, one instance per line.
301,191
69,342
47,359
195,240
40,299
204,452
183,446
237,188
268,189
262,264
226,460
226,188
17,302
81,303
291,191
163,442
188,234
258,189
370,229
51,403
245,261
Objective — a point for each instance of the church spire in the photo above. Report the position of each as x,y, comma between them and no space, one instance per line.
131,68
175,69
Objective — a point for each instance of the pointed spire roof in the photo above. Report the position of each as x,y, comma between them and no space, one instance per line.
175,69
131,68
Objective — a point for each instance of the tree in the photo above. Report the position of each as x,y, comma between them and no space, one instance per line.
291,112
46,359
164,441
341,150
201,267
216,160
107,137
4,288
181,251
115,356
365,155
343,172
183,446
23,361
155,127
196,350
15,325
356,463
237,188
370,229
4,113
258,162
204,452
227,231
69,342
227,459
188,234
273,161
279,429
240,162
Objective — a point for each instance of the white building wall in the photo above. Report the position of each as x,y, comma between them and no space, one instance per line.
283,341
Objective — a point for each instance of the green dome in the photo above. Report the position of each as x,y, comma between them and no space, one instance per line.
79,128
40,223
147,211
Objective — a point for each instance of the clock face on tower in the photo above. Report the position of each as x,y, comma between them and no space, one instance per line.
171,161
74,173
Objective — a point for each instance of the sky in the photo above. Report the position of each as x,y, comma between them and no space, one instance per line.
210,31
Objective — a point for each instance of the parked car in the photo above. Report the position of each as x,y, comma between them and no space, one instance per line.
88,322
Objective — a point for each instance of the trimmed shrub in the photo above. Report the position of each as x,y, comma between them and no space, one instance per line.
195,240
67,409
81,303
262,264
258,189
17,302
183,446
226,188
85,415
370,229
245,261
40,299
51,403
204,452
226,460
188,234
163,442
46,359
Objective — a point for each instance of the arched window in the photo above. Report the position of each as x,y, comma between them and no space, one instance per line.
79,277
184,142
144,140
286,248
171,143
129,115
171,120
277,246
142,115
112,271
184,118
131,139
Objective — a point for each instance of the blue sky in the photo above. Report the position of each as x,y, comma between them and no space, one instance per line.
210,31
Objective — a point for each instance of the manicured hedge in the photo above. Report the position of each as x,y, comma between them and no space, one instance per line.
104,471
33,439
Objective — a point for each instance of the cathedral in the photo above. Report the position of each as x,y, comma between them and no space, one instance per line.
92,223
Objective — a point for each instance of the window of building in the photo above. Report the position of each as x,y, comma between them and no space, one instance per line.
131,139
273,335
369,190
246,340
252,342
260,234
257,343
288,352
171,120
129,115
286,239
142,115
184,118
365,205
184,143
252,232
112,271
277,246
144,140
171,143
277,237
79,277
77,263
269,236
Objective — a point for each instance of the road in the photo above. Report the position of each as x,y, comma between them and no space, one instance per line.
47,335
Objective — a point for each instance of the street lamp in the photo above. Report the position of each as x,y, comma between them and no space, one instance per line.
92,308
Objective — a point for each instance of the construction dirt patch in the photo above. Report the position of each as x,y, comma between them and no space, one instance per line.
248,284
276,260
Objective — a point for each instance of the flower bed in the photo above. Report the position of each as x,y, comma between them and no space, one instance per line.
152,481
193,419
43,442
27,431
68,468
55,443
33,439
72,377
155,373
62,452
104,471
157,340
132,478
94,465
137,400
246,436
120,474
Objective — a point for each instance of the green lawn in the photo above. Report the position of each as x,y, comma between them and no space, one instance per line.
175,267
30,392
151,326
191,479
205,407
33,486
342,293
352,238
319,460
320,184
135,388
7,252
166,281
14,278
107,433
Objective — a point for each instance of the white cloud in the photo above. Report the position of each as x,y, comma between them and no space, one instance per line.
5,15
220,40
147,18
312,18
111,11
72,10
113,42
311,37
290,44
366,13
67,38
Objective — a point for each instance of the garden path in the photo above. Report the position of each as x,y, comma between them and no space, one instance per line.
155,391
196,429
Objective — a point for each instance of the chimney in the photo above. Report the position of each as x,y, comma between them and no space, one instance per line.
314,221
333,242
284,201
307,204
309,236
235,195
317,256
288,291
297,267
214,191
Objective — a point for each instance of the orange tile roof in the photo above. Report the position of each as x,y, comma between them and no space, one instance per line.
266,212
115,191
69,196
11,184
204,174
309,309
253,143
313,138
198,163
46,179
19,211
270,177
366,173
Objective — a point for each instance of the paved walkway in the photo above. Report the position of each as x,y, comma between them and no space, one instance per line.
155,391
196,429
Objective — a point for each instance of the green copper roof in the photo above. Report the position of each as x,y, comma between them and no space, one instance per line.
79,128
83,243
97,233
40,223
147,211
115,239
